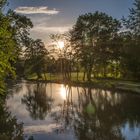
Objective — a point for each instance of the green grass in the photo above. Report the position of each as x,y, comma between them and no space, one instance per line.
56,76
102,82
32,77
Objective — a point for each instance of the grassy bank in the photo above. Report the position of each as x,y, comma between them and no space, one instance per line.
115,84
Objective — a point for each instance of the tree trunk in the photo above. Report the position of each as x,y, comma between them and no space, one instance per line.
89,74
84,75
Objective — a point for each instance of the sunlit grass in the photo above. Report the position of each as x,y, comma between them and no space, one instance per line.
100,82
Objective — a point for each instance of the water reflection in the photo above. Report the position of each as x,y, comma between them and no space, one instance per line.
10,129
63,92
100,115
97,119
37,101
69,113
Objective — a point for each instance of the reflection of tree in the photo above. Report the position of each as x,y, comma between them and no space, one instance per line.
9,128
66,111
99,114
67,107
98,124
37,101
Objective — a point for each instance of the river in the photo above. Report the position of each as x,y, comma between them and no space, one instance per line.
61,112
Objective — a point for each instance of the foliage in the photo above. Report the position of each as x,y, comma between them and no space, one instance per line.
7,49
13,35
91,38
131,49
36,55
133,21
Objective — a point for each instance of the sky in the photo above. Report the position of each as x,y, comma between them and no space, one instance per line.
58,16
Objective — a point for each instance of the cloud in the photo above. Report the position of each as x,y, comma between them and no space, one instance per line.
36,10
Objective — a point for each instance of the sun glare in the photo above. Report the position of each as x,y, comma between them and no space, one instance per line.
63,92
60,44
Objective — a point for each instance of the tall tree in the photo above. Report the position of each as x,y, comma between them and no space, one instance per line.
13,31
133,21
35,55
90,38
131,57
63,53
7,47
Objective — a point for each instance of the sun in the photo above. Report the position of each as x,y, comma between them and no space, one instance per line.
60,44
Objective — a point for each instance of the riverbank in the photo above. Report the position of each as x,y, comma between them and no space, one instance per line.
128,86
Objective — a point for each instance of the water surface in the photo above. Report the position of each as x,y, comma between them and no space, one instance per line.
61,112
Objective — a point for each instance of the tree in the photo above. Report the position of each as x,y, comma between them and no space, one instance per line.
35,55
2,3
21,26
63,54
12,29
90,39
133,21
7,48
130,59
131,49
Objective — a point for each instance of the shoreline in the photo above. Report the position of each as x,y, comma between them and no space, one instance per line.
102,84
